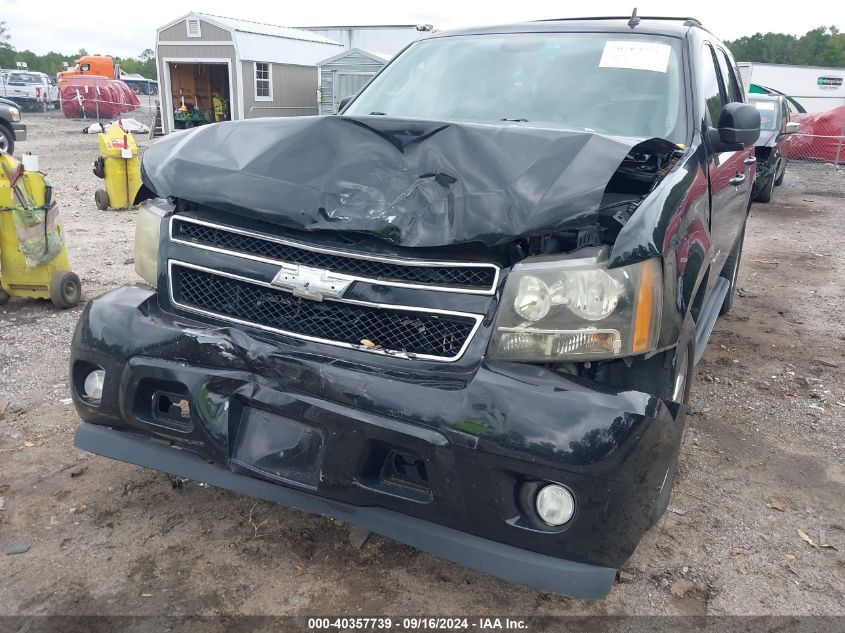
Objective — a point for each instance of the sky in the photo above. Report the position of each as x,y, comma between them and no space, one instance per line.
62,26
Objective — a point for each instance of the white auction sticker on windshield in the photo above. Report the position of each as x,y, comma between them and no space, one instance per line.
636,55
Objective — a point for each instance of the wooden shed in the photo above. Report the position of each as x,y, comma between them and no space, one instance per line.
212,68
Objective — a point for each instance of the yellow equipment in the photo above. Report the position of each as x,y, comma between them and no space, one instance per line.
220,108
120,168
33,258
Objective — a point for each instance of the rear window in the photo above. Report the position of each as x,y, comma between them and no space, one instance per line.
26,78
613,83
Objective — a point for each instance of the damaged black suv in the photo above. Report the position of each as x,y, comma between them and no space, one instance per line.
463,313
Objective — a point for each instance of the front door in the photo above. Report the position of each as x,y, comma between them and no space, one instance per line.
731,173
346,84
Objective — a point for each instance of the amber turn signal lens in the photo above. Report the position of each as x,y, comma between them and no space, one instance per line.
644,317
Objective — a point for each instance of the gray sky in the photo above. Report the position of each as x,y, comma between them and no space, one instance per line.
63,26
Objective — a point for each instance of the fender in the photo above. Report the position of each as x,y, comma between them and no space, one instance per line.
673,223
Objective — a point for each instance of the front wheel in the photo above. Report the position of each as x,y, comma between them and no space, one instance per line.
779,179
7,141
768,190
684,366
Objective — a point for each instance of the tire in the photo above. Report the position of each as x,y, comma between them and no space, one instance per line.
730,271
4,297
65,290
779,179
768,191
42,107
684,364
7,140
101,199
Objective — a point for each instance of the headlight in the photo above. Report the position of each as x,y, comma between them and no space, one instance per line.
14,114
576,308
533,299
147,236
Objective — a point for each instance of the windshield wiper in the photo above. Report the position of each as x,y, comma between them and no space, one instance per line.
515,120
378,113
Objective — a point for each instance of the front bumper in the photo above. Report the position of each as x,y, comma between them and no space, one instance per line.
442,458
19,130
517,565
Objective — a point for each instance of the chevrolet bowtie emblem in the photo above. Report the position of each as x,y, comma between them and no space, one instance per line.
311,283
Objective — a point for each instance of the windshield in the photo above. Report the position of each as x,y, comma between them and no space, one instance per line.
769,119
612,83
25,78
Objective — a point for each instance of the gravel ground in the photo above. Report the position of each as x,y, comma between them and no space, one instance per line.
763,457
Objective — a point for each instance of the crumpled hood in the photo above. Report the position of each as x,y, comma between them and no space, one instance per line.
768,138
414,183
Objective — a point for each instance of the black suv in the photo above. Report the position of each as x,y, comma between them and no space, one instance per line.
11,127
463,313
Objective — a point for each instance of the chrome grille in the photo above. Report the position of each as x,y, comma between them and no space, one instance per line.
423,333
457,277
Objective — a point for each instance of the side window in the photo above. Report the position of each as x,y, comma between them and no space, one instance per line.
263,82
711,86
732,86
784,114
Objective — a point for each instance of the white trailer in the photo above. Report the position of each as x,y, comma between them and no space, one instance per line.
816,88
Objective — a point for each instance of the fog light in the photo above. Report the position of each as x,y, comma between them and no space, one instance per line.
93,386
555,504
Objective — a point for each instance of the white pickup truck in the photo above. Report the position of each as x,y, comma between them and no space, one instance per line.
30,90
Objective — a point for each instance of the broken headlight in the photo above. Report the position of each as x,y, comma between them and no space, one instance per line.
147,236
558,309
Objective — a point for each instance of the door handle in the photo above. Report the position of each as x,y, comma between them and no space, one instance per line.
737,180
750,160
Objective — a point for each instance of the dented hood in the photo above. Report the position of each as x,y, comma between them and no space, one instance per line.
414,183
768,138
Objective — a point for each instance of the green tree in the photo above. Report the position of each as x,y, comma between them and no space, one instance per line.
823,46
7,53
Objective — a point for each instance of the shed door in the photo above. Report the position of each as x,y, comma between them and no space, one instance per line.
348,84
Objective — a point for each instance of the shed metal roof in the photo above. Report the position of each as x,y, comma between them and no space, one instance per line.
260,28
260,42
353,52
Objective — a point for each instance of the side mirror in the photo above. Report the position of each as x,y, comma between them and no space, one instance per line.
344,102
792,127
739,127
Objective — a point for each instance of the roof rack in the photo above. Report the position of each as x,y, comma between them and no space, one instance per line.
686,20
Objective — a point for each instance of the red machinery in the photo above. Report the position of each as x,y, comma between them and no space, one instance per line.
95,97
821,137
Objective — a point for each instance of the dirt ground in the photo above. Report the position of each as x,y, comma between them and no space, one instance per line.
763,457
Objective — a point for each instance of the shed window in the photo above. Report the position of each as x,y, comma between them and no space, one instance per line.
193,27
263,82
